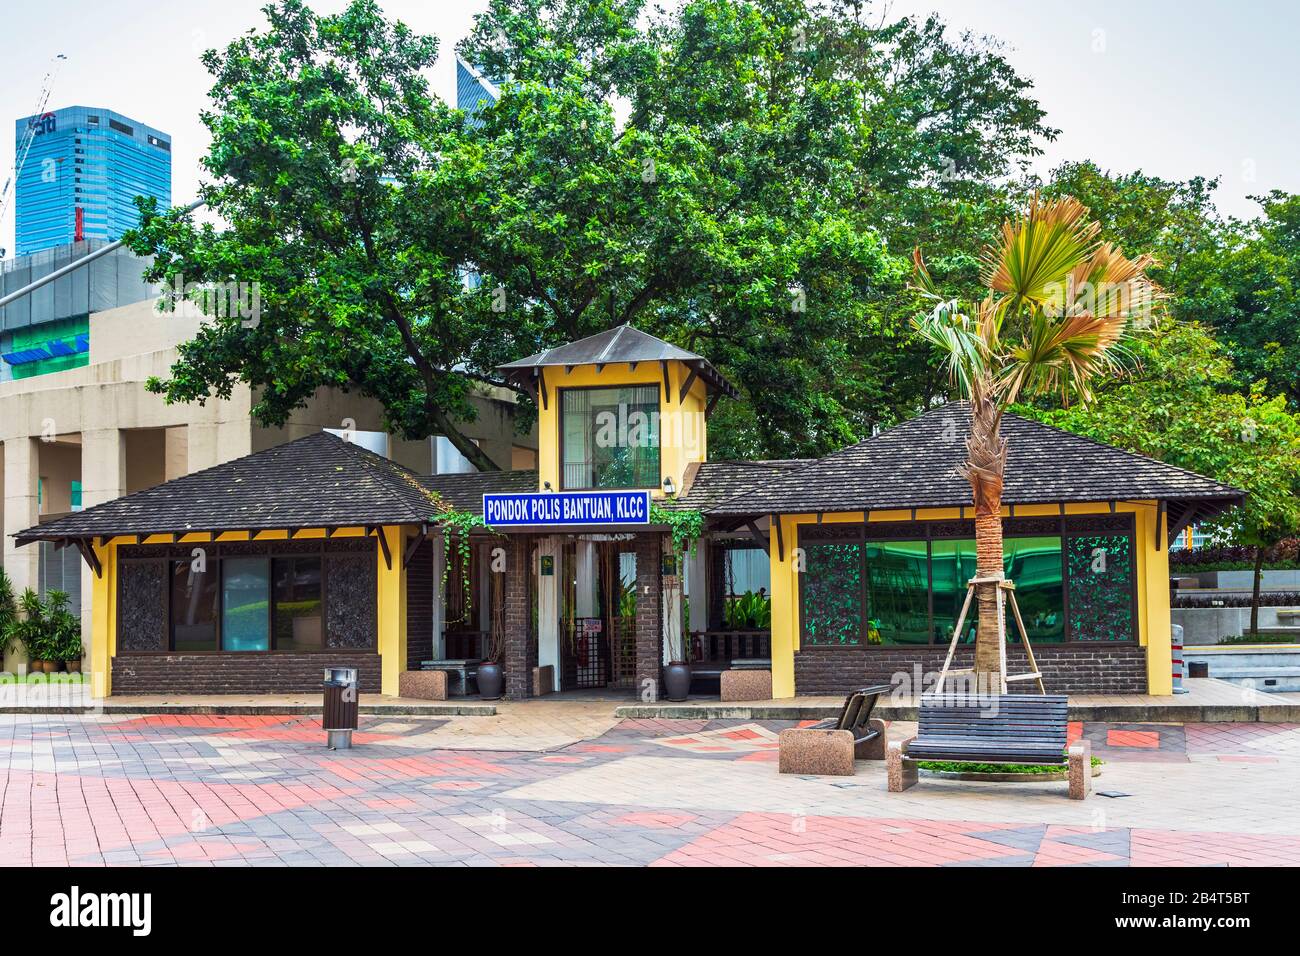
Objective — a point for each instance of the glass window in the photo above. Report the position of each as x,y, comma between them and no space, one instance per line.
898,593
194,607
298,606
245,617
832,594
610,437
952,565
1034,564
747,589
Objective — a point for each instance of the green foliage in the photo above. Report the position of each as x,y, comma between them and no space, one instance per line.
775,157
8,610
748,611
685,525
1175,407
456,529
1257,639
949,766
46,628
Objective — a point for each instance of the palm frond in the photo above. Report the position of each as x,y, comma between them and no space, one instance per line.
1061,356
1040,252
958,339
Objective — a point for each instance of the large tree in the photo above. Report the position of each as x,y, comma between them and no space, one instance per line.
1175,403
714,175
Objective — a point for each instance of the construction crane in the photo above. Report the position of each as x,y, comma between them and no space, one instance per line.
20,155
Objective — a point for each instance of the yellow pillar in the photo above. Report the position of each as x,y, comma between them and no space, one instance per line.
1153,601
391,616
785,606
103,621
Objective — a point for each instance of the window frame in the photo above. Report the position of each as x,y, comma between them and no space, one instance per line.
559,418
1062,526
165,555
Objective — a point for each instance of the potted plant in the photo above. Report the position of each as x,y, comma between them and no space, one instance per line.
31,631
65,631
8,614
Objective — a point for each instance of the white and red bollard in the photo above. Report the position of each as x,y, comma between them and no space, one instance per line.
1180,665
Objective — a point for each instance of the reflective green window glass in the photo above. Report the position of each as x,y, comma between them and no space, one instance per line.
952,564
1034,564
897,589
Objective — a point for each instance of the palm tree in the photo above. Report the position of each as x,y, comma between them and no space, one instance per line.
1058,302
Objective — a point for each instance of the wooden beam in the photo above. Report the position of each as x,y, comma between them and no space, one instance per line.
774,521
757,535
663,365
88,555
415,545
541,388
1160,520
383,544
713,400
1177,527
686,385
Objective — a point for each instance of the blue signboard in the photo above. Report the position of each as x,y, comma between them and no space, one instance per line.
567,507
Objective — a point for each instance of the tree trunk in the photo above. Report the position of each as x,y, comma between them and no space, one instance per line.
463,444
1254,597
984,468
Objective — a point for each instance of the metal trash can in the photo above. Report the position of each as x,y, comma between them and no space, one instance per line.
339,717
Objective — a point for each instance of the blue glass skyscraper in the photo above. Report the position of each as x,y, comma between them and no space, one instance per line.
85,167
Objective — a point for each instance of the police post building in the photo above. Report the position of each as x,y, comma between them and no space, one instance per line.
807,577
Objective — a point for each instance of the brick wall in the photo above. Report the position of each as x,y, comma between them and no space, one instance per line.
419,606
237,673
1066,669
519,655
649,612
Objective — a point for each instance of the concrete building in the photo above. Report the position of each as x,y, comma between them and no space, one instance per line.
81,436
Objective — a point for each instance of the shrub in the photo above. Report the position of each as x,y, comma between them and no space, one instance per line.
1283,556
1266,599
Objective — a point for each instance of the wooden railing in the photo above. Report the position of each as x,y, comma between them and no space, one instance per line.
723,647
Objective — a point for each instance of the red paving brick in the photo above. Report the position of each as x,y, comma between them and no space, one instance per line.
160,791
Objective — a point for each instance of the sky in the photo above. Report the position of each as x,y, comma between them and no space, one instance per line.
1176,88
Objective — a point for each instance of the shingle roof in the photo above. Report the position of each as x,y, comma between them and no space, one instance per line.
620,344
716,481
465,492
313,482
914,465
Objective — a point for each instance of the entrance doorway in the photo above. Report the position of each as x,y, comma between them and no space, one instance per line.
598,612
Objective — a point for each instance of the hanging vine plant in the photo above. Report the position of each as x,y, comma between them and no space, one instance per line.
459,524
685,526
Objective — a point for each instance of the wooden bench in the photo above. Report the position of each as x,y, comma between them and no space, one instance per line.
831,746
1005,728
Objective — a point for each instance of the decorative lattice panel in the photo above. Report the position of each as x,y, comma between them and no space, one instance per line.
141,606
1100,570
350,600
832,594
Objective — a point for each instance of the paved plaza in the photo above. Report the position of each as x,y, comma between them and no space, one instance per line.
546,784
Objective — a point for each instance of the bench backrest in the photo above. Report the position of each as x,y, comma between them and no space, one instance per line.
858,706
1026,718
